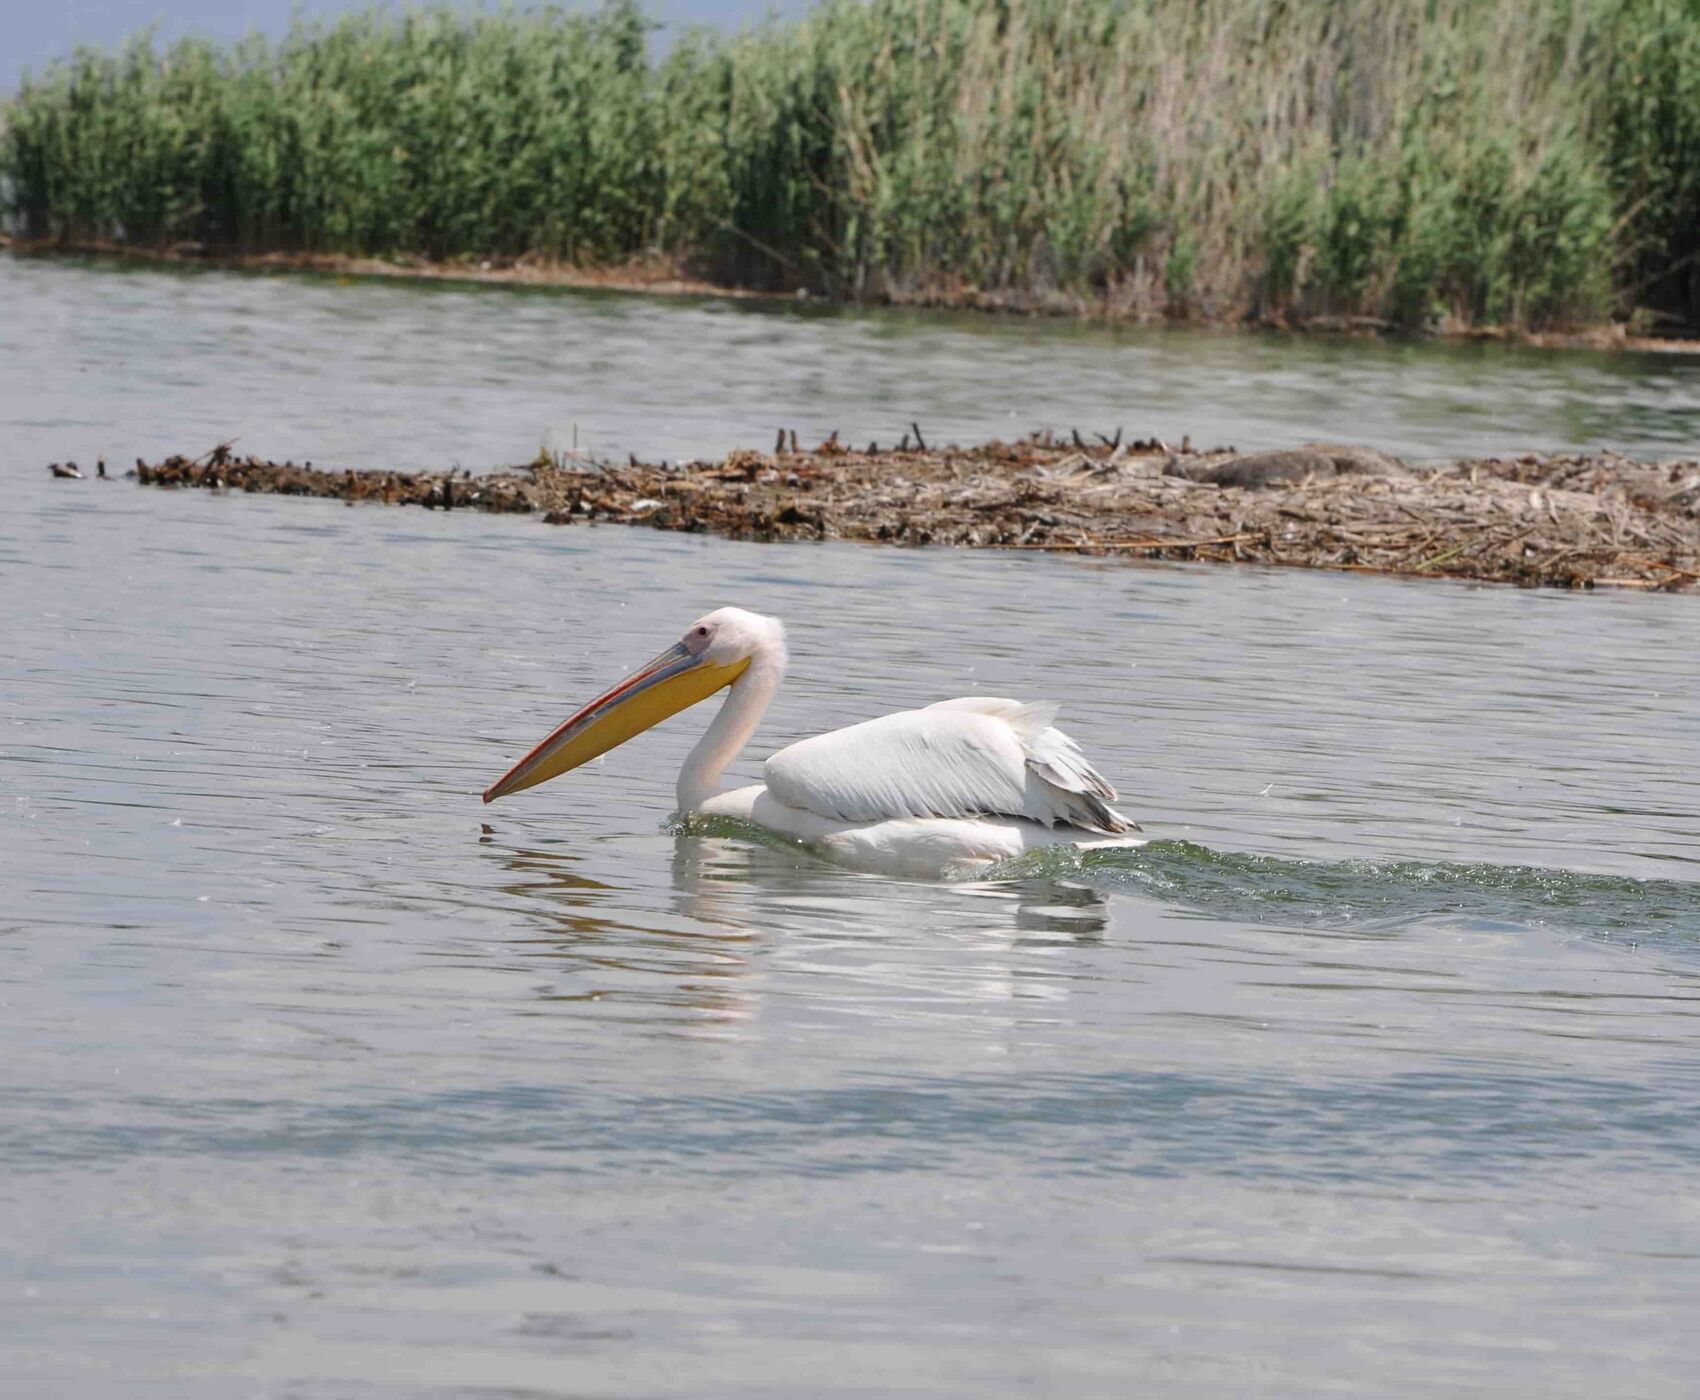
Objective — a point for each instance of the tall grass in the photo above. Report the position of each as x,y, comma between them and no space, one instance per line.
1523,161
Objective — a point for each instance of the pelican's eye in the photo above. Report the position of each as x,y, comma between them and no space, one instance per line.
698,638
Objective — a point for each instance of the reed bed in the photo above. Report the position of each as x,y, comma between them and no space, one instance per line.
1533,163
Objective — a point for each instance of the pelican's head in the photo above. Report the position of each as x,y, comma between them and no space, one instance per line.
714,652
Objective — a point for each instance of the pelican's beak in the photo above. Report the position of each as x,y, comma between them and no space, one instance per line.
674,680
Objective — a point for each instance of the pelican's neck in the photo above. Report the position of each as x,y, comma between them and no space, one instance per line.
725,738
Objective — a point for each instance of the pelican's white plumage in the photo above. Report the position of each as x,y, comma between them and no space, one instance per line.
948,789
972,757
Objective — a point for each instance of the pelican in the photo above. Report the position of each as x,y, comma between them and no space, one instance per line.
951,789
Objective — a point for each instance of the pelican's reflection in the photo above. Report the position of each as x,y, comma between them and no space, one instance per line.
740,921
918,941
724,880
748,884
752,885
612,944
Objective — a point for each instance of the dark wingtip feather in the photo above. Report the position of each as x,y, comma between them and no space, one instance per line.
1101,817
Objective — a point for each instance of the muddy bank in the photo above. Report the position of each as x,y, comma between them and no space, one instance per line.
1566,521
662,276
668,277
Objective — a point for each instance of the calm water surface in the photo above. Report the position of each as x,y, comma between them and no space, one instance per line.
394,374
1378,1072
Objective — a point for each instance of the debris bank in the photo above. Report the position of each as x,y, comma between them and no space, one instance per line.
1564,520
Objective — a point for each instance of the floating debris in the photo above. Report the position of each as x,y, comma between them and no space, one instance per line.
67,470
1565,520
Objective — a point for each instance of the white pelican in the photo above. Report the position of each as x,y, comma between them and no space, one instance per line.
951,789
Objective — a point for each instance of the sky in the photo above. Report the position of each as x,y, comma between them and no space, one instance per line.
32,33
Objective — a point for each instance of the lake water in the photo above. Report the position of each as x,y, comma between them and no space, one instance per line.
1377,1072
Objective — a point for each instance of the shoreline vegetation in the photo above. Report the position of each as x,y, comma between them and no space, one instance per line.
1496,167
1560,520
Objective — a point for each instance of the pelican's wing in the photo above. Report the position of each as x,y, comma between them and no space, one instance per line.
974,757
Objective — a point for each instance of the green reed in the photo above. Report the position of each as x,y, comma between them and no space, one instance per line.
1532,162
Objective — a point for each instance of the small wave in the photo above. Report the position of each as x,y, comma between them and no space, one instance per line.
1367,895
731,828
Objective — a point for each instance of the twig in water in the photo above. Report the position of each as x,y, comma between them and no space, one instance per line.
1136,544
223,447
